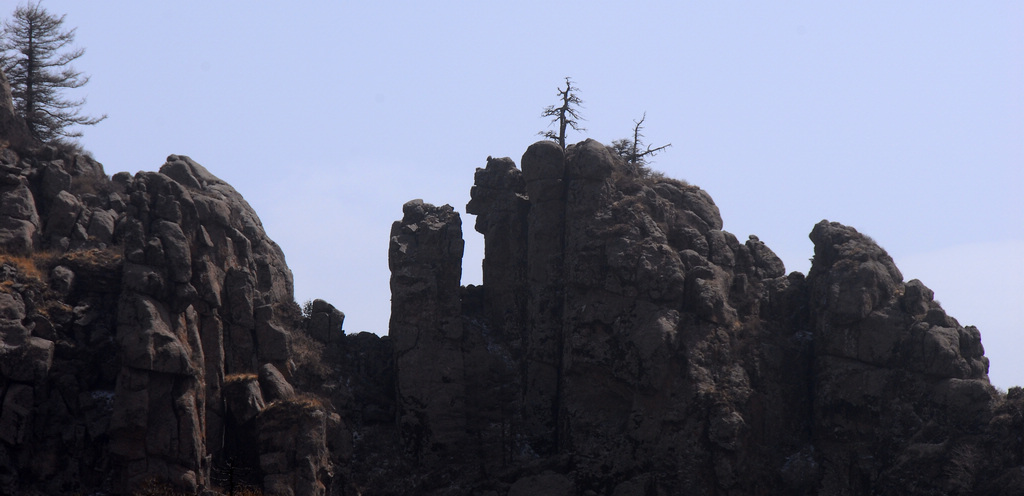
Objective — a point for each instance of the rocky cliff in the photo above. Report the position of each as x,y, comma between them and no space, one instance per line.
621,344
651,352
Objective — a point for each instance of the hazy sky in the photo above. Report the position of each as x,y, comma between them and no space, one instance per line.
902,119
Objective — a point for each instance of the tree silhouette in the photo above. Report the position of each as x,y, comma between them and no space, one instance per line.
633,150
566,114
35,53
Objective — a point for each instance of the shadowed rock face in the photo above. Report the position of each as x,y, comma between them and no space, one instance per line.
202,287
130,300
640,324
425,257
622,343
653,353
896,378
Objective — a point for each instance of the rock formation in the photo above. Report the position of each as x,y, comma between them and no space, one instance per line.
128,302
651,352
426,265
622,343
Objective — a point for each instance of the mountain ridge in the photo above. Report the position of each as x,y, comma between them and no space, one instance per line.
621,343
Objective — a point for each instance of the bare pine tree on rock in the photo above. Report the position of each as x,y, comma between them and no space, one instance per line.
566,114
634,151
35,53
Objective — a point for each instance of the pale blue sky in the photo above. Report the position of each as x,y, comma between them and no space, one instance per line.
902,119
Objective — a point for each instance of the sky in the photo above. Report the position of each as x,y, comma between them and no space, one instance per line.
902,119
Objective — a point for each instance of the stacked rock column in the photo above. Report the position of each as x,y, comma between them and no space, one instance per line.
498,199
425,257
543,168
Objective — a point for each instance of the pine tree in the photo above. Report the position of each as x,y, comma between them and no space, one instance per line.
35,53
633,151
566,114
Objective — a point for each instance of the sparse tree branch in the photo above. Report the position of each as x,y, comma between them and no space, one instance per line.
652,151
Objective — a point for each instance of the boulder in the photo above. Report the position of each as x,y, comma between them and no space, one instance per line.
243,397
273,385
62,279
19,222
55,179
326,322
63,216
101,226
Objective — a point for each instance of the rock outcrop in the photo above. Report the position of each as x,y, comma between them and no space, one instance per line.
426,265
651,352
193,308
896,378
325,321
293,448
129,301
622,343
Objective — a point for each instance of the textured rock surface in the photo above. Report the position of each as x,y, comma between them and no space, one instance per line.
622,343
19,222
654,353
191,243
274,385
895,374
293,449
13,130
498,199
326,322
126,305
426,265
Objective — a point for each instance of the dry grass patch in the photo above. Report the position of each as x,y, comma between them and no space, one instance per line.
25,266
299,407
27,270
301,401
308,355
658,177
33,266
93,258
55,310
236,378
